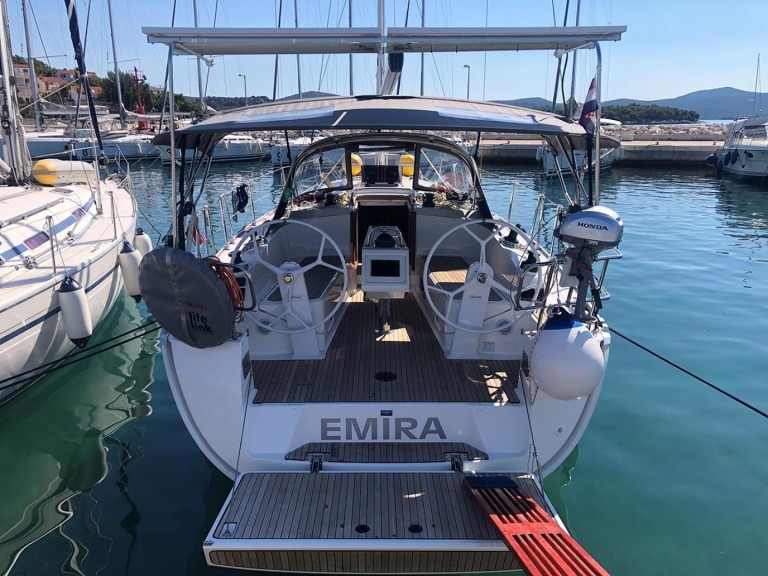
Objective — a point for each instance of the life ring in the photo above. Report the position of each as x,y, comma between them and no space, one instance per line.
230,282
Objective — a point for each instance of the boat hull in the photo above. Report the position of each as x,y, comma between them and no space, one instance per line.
32,328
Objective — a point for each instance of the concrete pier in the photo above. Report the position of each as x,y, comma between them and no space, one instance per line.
637,152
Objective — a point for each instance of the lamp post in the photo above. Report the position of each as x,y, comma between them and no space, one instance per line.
468,70
245,88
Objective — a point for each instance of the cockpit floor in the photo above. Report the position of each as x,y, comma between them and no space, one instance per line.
405,364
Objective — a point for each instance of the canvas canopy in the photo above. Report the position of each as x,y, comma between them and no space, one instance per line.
377,113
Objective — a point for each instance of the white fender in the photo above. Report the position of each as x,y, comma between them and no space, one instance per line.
567,361
75,312
142,242
129,259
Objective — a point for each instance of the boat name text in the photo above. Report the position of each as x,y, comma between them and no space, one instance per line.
380,429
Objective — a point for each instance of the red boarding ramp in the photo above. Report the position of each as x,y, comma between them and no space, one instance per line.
541,545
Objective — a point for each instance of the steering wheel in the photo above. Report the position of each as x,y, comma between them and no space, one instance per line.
479,274
290,278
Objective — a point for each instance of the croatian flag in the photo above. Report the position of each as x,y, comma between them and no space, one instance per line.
589,109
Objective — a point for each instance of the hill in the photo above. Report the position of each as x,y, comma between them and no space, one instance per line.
715,104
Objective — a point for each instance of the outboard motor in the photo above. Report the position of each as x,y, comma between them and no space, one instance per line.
590,231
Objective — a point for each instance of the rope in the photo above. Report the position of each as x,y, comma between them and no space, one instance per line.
691,374
76,357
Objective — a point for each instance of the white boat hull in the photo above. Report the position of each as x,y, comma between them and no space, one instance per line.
745,152
32,330
238,150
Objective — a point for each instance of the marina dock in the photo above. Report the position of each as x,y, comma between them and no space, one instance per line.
651,152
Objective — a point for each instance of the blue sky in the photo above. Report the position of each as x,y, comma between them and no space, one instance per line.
671,47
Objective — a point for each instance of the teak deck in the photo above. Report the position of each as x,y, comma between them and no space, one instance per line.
405,365
349,522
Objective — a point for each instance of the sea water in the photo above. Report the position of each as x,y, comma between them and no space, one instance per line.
98,474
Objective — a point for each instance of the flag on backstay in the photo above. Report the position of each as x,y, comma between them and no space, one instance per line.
589,110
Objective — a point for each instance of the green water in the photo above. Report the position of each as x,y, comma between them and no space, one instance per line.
99,476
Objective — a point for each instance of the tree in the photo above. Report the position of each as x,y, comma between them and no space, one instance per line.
41,68
649,114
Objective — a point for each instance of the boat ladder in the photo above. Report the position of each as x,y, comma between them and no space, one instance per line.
541,545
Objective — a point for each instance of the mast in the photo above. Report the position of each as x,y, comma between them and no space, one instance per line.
380,57
199,70
117,69
277,56
298,57
351,74
423,24
85,86
16,165
572,106
755,105
32,73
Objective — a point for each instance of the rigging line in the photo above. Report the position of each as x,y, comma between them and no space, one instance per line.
45,51
407,12
79,352
691,374
77,359
208,72
149,221
326,58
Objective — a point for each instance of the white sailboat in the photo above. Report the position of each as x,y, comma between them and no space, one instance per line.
385,368
65,235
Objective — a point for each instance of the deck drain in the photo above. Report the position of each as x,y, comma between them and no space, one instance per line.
415,529
362,528
385,376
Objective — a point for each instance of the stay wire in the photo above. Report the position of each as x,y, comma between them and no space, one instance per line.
691,374
79,355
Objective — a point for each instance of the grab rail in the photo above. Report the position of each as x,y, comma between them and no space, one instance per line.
24,215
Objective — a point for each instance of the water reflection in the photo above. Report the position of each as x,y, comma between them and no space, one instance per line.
56,437
559,479
743,204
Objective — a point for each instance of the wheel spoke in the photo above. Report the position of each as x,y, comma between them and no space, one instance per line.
481,268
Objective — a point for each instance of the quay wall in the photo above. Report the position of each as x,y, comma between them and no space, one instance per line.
643,145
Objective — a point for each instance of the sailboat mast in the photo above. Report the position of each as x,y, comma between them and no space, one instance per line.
31,62
351,75
380,59
277,56
423,23
12,131
117,68
757,110
298,57
199,70
572,105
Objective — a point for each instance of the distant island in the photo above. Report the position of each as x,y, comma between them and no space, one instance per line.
714,104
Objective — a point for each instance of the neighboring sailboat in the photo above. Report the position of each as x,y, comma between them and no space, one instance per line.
65,246
380,351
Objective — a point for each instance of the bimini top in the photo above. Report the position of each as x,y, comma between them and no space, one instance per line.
378,113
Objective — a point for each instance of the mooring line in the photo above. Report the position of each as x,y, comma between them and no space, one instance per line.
691,374
75,357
